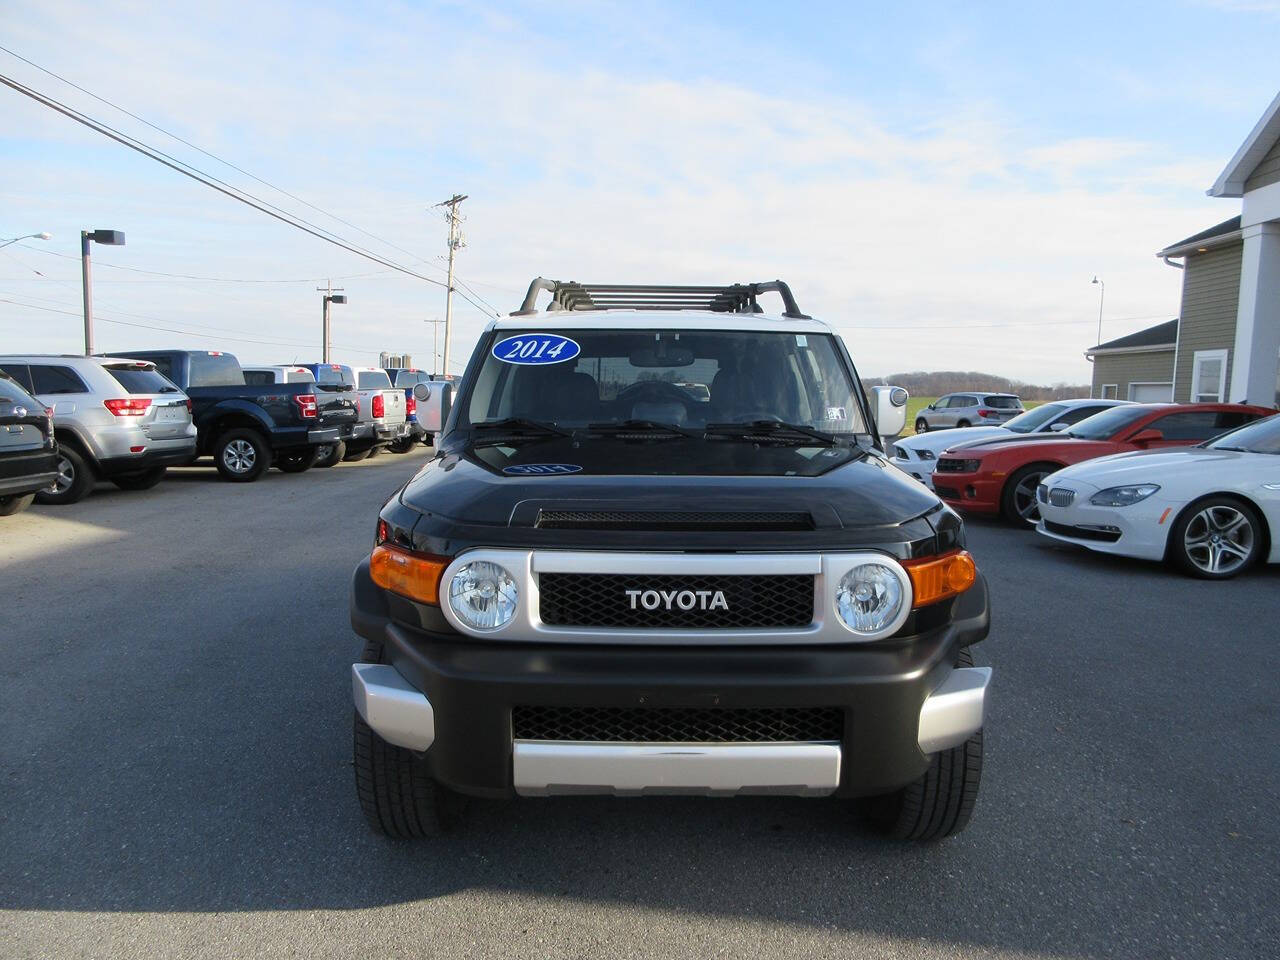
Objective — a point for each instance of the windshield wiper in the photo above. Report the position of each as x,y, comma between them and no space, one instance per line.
516,429
753,430
651,427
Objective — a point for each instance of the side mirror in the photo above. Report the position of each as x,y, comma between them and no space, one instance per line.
1059,426
1144,437
434,400
890,404
932,406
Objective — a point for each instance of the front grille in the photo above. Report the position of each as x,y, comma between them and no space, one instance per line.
670,520
948,493
678,724
1060,497
716,602
950,465
1082,533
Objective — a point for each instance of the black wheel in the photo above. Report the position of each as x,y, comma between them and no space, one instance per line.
403,445
963,423
241,455
397,794
296,461
139,481
328,454
1216,538
374,451
355,456
922,425
75,479
14,504
1018,499
939,804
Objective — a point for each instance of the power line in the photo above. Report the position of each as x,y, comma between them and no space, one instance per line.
210,181
185,276
207,153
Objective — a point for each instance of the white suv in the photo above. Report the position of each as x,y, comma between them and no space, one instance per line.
114,419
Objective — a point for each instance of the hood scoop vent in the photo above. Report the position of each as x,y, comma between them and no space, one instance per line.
671,521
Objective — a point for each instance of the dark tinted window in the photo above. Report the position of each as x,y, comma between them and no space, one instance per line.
409,378
373,380
334,373
1077,414
259,378
964,401
215,370
51,379
19,373
11,392
1003,403
165,366
141,380
1193,425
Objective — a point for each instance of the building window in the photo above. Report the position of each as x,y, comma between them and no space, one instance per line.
1208,376
1109,391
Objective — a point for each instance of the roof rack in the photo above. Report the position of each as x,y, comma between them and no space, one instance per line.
734,298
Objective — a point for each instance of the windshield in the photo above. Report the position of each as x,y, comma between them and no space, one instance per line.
373,380
1105,424
1261,436
1035,418
682,377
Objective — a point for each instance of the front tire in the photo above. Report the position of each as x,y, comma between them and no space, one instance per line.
75,479
939,804
241,455
1018,502
297,461
14,504
140,481
1216,538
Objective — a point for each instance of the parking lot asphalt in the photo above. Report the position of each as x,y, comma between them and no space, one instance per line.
176,779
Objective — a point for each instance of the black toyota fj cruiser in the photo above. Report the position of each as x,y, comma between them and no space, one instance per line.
660,550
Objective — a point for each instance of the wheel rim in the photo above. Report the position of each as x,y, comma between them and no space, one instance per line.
1024,497
66,476
1218,539
922,426
324,451
239,456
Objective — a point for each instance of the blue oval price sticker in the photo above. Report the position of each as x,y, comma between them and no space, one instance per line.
531,348
541,469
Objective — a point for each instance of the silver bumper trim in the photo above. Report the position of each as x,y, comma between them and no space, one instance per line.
395,709
955,710
544,768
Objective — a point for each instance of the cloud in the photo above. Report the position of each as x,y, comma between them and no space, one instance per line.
940,238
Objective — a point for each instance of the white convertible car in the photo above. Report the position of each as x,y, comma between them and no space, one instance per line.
918,454
1214,510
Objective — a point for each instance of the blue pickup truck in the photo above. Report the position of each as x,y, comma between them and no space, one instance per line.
248,428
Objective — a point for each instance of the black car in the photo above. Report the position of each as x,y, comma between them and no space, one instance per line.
28,451
604,582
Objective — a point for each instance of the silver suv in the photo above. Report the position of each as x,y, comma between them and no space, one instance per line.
968,410
114,419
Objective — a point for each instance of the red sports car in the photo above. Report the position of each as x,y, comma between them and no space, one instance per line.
1000,475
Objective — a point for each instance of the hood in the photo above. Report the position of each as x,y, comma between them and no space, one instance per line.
939,440
1150,466
840,488
1006,437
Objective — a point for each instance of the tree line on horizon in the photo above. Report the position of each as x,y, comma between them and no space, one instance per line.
922,383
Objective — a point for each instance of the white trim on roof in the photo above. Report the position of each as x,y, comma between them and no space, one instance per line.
1230,182
1150,348
658,320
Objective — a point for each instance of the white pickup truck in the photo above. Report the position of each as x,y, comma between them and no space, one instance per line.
382,418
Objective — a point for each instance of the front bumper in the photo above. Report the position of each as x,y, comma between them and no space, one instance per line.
921,470
451,698
971,492
1140,530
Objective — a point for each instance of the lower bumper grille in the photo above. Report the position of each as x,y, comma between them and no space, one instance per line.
1082,533
678,724
942,490
676,602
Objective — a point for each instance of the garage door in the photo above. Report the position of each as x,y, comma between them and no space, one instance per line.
1151,392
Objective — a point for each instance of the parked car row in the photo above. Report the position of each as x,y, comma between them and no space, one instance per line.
67,421
1196,484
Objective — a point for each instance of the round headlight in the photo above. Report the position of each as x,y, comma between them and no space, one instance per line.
869,598
483,595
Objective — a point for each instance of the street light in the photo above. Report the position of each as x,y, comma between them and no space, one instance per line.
1102,293
108,238
328,299
30,236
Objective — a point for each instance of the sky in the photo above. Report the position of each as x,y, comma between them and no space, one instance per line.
939,182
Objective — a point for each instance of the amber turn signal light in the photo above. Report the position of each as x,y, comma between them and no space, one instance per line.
411,575
938,578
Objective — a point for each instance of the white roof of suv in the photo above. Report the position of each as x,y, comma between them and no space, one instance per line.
665,319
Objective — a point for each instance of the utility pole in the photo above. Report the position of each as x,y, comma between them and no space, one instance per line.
455,242
435,350
329,298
